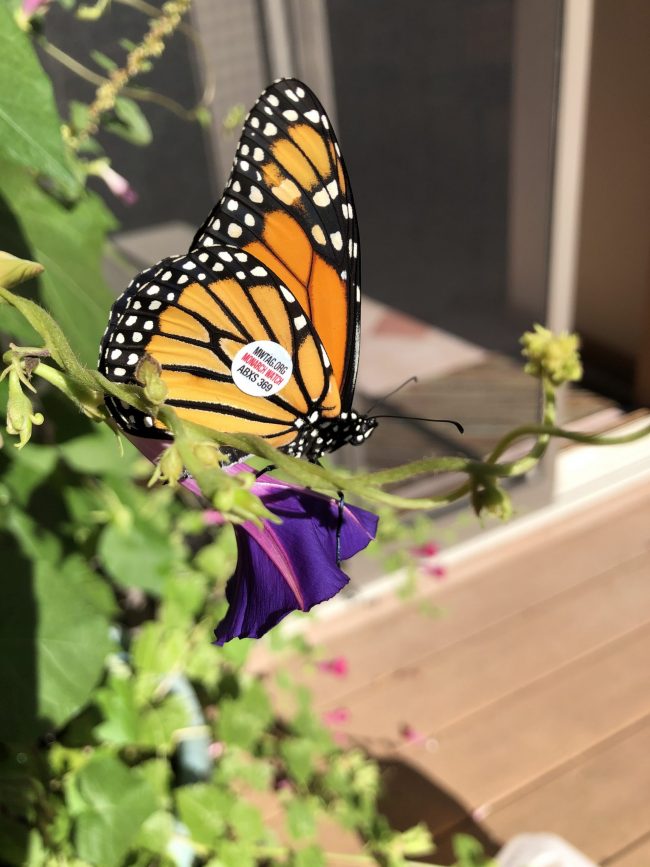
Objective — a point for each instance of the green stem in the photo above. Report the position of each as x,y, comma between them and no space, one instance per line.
91,402
143,94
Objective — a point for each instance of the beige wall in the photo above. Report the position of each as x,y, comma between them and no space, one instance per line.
614,261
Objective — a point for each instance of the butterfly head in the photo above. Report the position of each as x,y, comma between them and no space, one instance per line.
318,434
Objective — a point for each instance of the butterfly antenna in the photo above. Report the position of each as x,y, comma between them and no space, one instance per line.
391,393
456,424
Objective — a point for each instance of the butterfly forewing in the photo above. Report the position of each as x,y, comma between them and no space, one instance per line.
288,202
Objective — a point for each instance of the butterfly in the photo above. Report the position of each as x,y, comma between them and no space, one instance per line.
256,328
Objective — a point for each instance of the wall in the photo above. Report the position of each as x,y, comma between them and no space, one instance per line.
614,262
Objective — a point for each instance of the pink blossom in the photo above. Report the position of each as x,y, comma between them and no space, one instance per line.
216,750
429,549
336,716
118,185
411,735
211,517
434,571
337,666
31,6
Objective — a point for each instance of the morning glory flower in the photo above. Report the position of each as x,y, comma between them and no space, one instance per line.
289,566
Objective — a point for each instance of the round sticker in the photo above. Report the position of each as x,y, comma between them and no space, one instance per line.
261,368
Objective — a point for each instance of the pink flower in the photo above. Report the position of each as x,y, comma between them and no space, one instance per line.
118,185
411,735
336,717
216,750
429,549
31,6
434,571
338,666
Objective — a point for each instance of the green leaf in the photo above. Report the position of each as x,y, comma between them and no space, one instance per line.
236,854
301,817
238,766
204,809
129,721
57,637
118,801
158,773
310,856
137,555
468,851
27,470
30,127
156,833
246,822
243,720
121,714
103,60
98,453
129,122
298,753
69,243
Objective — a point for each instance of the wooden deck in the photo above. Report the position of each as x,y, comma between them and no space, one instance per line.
528,702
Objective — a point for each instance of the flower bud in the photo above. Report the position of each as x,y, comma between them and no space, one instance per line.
488,497
20,411
208,454
552,356
169,467
148,375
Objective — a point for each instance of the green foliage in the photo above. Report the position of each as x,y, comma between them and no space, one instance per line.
109,805
69,242
126,738
30,133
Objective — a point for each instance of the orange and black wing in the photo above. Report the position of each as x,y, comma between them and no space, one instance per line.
288,202
194,314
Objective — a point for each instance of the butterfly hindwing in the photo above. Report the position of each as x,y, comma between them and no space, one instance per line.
193,314
288,202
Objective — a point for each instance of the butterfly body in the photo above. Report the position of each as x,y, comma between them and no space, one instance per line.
256,328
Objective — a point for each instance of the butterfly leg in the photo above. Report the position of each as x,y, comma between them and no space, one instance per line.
268,469
339,526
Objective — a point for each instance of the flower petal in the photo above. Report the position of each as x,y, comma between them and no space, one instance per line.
290,566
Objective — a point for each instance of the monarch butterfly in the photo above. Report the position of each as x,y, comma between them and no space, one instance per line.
256,328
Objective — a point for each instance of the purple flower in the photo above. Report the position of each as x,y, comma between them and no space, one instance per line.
289,566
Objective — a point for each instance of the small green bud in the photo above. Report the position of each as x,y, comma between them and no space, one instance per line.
14,270
234,117
20,411
237,505
414,842
208,454
203,115
488,497
148,374
552,356
169,467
